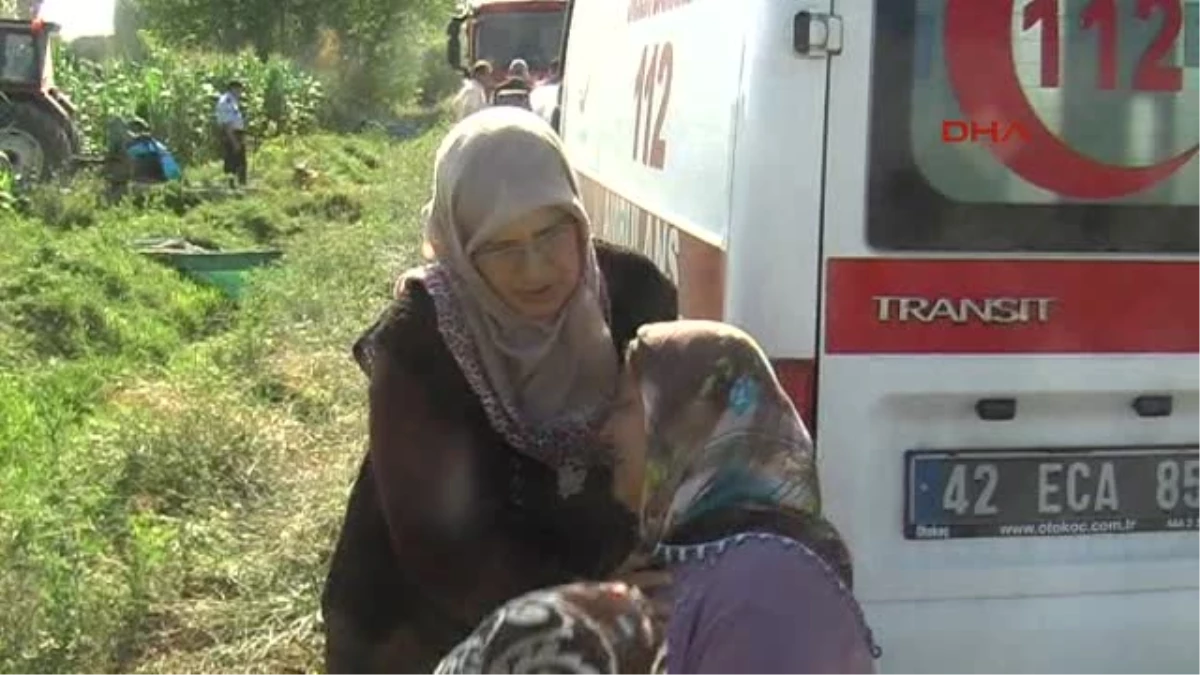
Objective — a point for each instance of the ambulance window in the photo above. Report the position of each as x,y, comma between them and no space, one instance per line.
532,36
1095,132
18,57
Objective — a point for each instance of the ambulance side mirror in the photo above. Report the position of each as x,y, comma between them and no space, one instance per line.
454,44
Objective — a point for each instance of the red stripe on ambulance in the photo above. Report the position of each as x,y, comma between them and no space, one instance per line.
698,270
695,266
889,306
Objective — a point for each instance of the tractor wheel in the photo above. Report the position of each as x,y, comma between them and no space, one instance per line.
36,142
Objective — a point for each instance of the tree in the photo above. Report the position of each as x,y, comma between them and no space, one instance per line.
377,42
286,27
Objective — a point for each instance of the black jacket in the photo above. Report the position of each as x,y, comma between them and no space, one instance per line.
401,589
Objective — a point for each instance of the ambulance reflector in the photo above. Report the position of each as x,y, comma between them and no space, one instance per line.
799,379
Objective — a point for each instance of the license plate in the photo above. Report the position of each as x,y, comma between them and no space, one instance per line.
1052,492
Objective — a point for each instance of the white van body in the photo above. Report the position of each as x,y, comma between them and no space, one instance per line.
1007,324
543,99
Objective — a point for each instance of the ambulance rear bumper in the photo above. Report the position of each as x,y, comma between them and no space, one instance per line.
1144,632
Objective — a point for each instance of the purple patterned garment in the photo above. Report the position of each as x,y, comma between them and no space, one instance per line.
763,604
751,603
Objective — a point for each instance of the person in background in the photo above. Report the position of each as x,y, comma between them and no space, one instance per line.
134,155
151,161
718,463
490,374
231,132
514,89
555,76
473,95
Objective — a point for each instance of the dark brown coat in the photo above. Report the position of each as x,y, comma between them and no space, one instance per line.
403,588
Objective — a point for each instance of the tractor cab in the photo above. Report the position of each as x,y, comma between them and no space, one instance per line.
24,54
37,132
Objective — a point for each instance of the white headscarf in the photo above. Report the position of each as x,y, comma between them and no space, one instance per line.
493,167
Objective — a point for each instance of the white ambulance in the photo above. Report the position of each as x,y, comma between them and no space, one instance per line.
967,232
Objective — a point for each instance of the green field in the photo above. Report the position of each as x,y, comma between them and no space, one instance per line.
174,464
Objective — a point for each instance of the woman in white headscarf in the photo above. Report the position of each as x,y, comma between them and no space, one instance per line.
491,374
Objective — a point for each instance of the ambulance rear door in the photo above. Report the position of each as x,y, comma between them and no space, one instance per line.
1007,395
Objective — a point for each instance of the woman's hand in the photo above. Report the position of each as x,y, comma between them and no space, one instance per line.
625,430
627,483
640,570
655,584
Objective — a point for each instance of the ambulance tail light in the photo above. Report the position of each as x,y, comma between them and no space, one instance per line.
799,380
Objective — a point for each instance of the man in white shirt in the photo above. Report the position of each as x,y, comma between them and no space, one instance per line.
473,95
231,132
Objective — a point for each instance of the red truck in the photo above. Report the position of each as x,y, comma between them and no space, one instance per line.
502,30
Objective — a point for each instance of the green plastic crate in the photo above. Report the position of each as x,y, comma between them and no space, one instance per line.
224,269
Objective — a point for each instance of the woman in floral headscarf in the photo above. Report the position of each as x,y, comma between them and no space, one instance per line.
721,468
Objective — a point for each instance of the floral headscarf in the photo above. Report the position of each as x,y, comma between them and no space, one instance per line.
578,628
723,436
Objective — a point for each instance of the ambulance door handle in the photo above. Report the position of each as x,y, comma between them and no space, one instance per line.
996,409
1153,405
815,34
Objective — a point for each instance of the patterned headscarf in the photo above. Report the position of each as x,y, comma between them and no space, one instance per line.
578,628
722,432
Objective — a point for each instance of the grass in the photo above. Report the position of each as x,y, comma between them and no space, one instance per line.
174,466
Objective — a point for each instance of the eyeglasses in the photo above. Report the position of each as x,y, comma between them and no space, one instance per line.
549,243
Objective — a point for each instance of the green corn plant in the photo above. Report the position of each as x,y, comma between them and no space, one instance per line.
176,91
8,199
